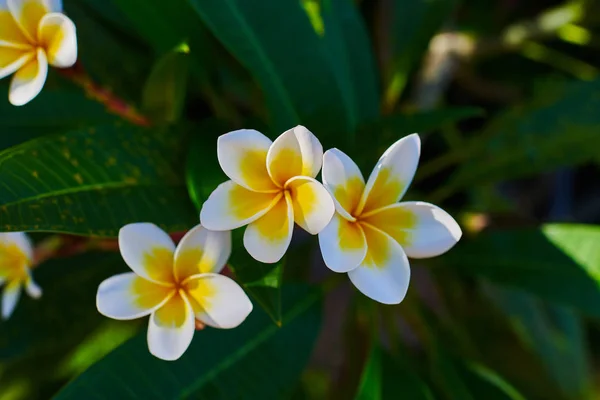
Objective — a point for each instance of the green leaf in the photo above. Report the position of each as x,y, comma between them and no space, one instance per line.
400,380
414,23
94,181
256,360
559,262
351,55
558,128
164,94
370,387
54,332
487,384
297,80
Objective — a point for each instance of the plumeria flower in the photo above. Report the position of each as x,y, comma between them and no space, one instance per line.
175,286
372,234
33,34
16,256
272,186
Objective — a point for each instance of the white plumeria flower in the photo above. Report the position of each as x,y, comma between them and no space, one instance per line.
272,186
16,256
33,34
372,234
175,286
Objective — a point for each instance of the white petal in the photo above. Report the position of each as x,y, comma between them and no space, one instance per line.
171,329
201,251
392,175
312,203
343,179
384,274
10,298
312,151
242,155
55,6
58,36
20,240
284,159
268,238
11,60
148,251
29,80
432,230
32,288
231,206
28,14
218,301
343,244
128,296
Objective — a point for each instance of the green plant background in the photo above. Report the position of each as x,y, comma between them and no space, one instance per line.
506,98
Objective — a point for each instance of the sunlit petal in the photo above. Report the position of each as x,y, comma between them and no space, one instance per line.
201,251
392,175
243,157
343,179
312,151
171,329
268,238
57,34
10,298
148,251
11,34
29,80
284,159
384,274
28,14
343,244
230,206
11,59
312,203
128,296
218,301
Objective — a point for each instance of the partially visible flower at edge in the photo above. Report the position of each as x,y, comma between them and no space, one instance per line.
33,34
16,258
372,234
174,285
272,186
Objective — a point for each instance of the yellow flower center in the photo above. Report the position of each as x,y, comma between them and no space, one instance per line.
13,262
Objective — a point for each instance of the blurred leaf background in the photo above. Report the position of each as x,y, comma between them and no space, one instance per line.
506,97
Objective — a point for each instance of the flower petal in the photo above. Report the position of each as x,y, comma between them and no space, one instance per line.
128,296
148,251
28,81
10,298
343,244
312,151
218,301
171,329
201,251
284,159
231,206
422,229
268,238
57,34
392,175
28,14
32,288
384,274
10,33
20,240
12,59
313,205
242,155
343,179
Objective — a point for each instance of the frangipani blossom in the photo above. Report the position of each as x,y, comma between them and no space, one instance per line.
33,34
16,256
175,286
272,186
371,234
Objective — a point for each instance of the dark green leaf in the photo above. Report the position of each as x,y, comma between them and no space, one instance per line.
93,182
401,381
559,128
351,55
560,263
487,384
257,360
165,90
370,387
296,77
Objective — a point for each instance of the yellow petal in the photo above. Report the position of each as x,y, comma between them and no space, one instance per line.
201,251
10,33
268,238
58,37
313,205
15,256
171,328
284,160
342,244
343,179
243,157
392,175
10,298
398,222
231,206
28,81
28,14
11,59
